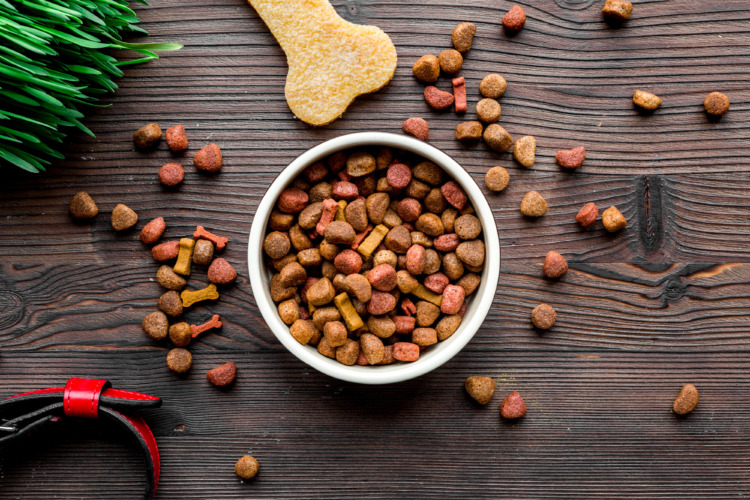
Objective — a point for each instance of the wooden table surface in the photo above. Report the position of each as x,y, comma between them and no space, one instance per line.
640,313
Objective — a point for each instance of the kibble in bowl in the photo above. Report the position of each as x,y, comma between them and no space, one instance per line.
393,258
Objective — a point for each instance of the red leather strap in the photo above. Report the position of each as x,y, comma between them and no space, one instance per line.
81,397
112,393
148,437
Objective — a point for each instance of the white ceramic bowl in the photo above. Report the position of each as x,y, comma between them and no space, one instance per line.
477,305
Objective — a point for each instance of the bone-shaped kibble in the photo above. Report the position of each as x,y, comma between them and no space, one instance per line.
212,323
191,297
331,61
219,241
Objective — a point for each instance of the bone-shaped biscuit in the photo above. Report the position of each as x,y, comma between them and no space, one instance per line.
331,61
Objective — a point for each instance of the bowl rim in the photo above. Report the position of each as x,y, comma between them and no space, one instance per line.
445,350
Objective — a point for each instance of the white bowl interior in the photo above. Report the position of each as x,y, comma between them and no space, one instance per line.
477,305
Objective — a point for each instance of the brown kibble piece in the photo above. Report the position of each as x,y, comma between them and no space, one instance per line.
372,347
587,215
171,174
497,179
686,401
524,151
170,303
292,200
646,100
156,325
471,253
179,360
448,326
488,110
176,138
123,218
424,336
543,316
467,227
571,158
303,330
428,172
340,233
398,175
82,206
222,375
481,389
617,10
289,311
335,333
497,137
716,104
613,219
450,61
152,231
555,265
246,467
515,19
533,205
180,334
438,99
417,127
463,36
276,245
221,272
203,252
469,131
427,68
169,279
360,163
493,86
208,159
348,353
147,137
513,406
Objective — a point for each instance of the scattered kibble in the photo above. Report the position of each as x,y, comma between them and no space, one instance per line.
82,206
171,174
481,389
587,215
497,137
417,127
646,100
246,467
462,37
686,401
179,360
513,406
497,179
524,152
493,86
123,218
469,131
156,325
543,316
450,61
533,205
152,231
613,220
617,10
223,375
176,138
571,158
427,68
208,159
180,334
716,104
555,265
191,297
147,137
438,99
515,19
488,110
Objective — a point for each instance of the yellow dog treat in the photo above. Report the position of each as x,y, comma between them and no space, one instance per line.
331,61
184,257
423,293
340,211
345,307
372,241
191,297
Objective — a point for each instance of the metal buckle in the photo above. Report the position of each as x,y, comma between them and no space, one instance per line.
7,428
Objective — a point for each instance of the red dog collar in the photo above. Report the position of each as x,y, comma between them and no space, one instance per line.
82,398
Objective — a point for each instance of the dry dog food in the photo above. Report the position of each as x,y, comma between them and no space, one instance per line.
179,360
417,127
147,137
246,467
170,303
497,179
493,86
214,322
123,218
617,10
515,19
463,36
203,252
613,220
497,138
533,205
543,316
524,152
193,297
459,93
156,325
587,215
331,60
180,334
384,274
469,131
166,251
219,241
170,280
513,406
222,375
571,158
555,265
208,159
82,206
221,272
427,68
184,256
716,104
171,174
152,231
176,138
488,110
450,61
480,388
437,98
646,100
686,401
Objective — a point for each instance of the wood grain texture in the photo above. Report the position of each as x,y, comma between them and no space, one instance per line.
641,312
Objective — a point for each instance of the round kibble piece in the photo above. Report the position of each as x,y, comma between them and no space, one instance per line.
348,353
555,265
497,137
147,137
427,68
176,138
493,86
515,19
289,311
543,316
170,303
398,176
471,253
497,179
171,174
82,206
180,334
276,245
613,220
513,406
587,215
524,152
450,61
222,375
716,104
686,401
179,360
221,272
123,218
203,252
170,279
481,389
303,330
488,110
246,467
156,325
468,227
208,159
165,251
533,205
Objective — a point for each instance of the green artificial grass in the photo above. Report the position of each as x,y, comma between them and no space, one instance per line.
54,62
